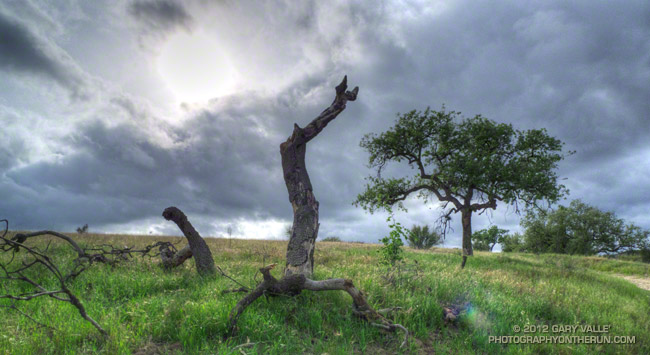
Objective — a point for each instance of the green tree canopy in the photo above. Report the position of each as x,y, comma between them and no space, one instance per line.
486,239
512,243
467,164
581,229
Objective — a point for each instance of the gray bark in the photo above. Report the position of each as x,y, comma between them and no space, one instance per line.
466,217
294,284
300,252
171,260
199,249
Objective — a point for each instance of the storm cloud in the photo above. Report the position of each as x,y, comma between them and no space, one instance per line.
23,51
160,15
578,69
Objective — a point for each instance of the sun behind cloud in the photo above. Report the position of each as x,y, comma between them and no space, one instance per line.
196,68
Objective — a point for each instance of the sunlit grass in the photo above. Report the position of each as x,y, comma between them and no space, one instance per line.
147,309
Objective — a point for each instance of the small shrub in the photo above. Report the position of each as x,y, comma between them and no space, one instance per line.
421,237
392,251
645,255
331,239
83,230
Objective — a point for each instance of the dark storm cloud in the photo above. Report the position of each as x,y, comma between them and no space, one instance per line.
223,164
581,70
22,50
12,150
574,69
160,15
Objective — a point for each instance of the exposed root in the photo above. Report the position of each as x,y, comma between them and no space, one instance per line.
292,285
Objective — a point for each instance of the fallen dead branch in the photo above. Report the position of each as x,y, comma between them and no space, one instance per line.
13,271
196,245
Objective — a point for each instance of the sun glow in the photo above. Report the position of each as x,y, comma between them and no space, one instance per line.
196,68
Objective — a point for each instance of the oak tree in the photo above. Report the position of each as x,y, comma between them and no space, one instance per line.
468,164
581,229
486,239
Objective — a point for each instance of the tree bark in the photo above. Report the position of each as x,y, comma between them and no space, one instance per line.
466,217
199,249
170,259
294,284
300,251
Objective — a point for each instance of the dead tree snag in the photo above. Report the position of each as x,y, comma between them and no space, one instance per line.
300,252
197,246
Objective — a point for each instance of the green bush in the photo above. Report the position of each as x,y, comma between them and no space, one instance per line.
581,229
391,251
421,237
331,239
512,243
486,239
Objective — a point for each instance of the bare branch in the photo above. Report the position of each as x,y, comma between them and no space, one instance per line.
338,105
15,274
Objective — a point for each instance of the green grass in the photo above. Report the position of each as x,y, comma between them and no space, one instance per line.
148,310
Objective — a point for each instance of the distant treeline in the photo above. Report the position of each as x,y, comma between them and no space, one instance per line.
578,229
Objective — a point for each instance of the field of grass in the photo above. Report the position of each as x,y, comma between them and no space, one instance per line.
149,311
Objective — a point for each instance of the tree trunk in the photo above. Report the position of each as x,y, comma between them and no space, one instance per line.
466,216
300,252
199,249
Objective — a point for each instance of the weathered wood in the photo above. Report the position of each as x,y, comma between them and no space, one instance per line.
300,251
171,259
198,247
294,284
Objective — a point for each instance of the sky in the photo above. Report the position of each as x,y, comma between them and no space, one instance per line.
111,111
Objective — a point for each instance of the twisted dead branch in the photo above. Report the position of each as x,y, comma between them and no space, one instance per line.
196,245
294,284
13,271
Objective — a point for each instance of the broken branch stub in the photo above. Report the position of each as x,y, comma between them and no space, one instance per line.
197,246
171,259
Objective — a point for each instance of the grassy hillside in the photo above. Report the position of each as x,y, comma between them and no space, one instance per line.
149,311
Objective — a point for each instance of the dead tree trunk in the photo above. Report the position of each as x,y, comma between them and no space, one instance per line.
197,246
300,252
